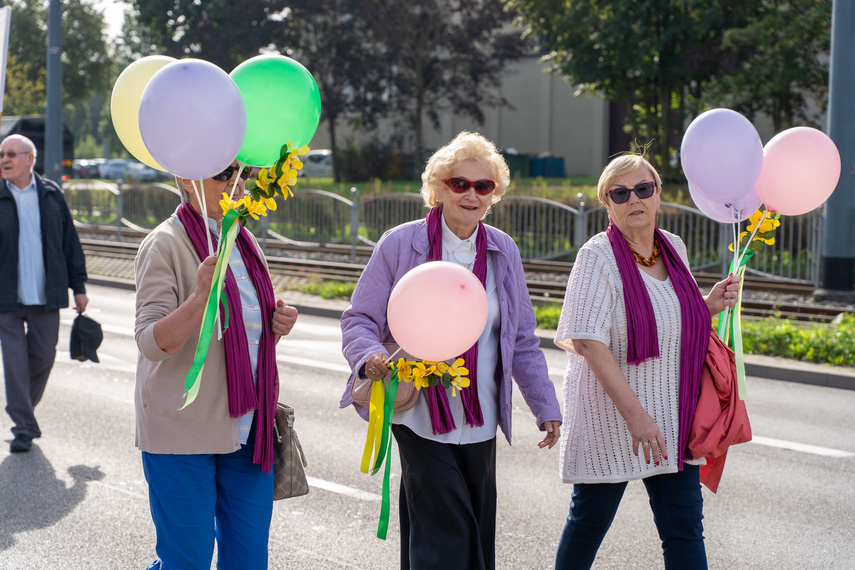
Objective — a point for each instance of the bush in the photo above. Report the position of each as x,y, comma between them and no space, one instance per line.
822,343
360,161
829,344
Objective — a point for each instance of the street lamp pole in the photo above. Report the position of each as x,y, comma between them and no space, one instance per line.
838,251
53,118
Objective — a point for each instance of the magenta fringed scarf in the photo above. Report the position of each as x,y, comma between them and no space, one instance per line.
243,396
641,323
440,414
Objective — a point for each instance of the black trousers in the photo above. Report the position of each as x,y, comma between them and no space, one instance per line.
448,503
29,336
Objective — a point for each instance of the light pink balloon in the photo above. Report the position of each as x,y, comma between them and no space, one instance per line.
801,167
437,311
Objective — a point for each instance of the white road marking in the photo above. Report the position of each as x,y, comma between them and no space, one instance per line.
802,447
342,489
311,363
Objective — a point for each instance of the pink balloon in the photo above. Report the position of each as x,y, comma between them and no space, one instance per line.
722,155
801,167
437,311
730,212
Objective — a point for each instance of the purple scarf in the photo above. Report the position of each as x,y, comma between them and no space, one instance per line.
641,323
243,395
440,414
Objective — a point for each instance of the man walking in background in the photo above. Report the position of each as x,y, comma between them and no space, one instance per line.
40,258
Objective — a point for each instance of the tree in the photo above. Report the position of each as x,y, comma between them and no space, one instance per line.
785,68
23,95
86,62
444,54
649,54
223,32
335,40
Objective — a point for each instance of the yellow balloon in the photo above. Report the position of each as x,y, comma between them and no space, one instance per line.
125,104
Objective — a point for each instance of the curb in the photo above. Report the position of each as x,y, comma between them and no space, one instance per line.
773,368
769,367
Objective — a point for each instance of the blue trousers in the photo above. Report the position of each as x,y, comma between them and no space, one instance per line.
195,499
677,506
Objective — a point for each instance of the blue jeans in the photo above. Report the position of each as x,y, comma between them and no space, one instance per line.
677,506
195,499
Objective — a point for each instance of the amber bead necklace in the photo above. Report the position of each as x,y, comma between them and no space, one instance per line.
647,262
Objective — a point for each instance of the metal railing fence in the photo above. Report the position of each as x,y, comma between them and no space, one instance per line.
543,229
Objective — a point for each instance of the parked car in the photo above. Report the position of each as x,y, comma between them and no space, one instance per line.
114,168
317,164
87,167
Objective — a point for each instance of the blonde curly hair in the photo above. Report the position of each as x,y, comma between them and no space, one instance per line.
465,147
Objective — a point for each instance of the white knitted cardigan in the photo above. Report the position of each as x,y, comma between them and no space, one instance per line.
596,446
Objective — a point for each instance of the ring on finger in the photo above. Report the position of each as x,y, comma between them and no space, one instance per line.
645,443
652,442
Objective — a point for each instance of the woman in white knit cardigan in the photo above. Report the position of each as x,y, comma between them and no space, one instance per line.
636,329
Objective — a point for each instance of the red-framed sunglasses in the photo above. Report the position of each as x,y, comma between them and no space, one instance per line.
461,185
643,190
226,174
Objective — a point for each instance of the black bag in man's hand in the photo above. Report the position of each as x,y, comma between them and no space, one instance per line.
86,336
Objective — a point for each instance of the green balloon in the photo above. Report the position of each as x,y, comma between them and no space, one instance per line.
282,104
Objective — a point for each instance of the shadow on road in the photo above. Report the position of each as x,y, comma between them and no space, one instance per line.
33,497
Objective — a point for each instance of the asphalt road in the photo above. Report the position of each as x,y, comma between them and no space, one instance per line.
79,498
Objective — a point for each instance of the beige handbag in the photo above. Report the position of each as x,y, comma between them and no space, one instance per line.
289,478
406,396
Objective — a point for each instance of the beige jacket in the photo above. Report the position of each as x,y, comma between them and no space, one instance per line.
166,269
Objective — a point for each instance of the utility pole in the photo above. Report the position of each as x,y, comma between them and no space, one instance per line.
53,118
838,247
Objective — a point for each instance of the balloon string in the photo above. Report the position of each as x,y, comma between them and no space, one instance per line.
734,229
210,242
241,166
393,356
201,200
751,237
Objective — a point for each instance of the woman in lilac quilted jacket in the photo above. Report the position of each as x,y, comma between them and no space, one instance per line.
448,444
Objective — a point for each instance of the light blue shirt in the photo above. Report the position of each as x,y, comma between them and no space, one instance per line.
31,258
251,312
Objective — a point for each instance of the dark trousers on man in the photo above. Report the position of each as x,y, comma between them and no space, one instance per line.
447,503
28,336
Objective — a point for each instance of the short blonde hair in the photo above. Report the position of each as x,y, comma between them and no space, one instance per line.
620,166
465,147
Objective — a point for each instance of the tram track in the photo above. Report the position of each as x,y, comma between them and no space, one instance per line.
541,290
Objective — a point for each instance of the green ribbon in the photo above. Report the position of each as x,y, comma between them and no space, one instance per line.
385,447
730,327
192,382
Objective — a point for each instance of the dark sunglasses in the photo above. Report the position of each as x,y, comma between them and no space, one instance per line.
642,190
10,154
226,174
461,185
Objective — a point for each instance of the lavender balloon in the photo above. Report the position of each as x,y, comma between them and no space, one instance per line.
722,155
192,118
722,212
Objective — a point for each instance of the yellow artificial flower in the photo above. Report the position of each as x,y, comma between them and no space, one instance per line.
405,374
420,373
457,369
770,241
227,204
768,225
458,383
269,203
254,209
